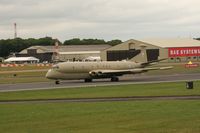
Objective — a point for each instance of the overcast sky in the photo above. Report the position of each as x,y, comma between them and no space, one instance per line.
103,19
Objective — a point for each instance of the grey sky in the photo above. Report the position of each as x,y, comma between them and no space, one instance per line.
105,19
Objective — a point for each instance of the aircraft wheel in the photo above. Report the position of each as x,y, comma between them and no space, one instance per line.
114,79
57,82
88,80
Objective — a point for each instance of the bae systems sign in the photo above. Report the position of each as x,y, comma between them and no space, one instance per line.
184,52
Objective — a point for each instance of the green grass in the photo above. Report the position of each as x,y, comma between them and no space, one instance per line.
172,116
7,74
109,117
161,89
177,69
22,77
26,67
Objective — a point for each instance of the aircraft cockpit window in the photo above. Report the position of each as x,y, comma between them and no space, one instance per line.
55,67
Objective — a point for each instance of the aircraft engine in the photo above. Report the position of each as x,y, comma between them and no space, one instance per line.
95,73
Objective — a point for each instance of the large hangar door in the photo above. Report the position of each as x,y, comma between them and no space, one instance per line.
152,54
122,54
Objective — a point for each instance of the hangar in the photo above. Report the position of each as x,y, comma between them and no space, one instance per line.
65,53
176,50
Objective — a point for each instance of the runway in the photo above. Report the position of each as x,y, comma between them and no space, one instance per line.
130,79
101,99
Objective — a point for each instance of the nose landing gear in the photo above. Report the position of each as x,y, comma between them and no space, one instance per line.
114,79
88,80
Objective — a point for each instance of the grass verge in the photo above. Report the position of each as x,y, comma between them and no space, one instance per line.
113,117
22,77
158,89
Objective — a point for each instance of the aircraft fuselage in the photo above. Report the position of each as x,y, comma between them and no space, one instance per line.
81,70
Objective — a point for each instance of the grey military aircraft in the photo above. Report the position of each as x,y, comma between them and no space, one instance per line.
96,70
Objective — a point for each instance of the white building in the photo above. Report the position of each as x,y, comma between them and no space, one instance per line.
21,60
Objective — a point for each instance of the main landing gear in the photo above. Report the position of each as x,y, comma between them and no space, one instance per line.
114,79
57,82
88,80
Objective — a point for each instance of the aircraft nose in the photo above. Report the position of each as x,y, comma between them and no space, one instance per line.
48,74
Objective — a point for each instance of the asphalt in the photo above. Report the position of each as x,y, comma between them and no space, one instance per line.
102,99
130,79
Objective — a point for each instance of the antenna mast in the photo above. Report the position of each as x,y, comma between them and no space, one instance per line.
56,52
15,30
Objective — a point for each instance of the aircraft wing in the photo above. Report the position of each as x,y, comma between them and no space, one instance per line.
144,64
127,71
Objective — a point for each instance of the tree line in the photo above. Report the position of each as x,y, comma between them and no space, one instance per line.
9,46
16,45
77,41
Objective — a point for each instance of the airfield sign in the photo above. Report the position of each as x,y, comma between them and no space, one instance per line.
191,65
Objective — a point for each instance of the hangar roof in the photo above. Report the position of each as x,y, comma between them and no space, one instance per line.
81,52
69,48
176,42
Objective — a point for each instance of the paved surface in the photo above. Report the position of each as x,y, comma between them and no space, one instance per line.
102,99
130,79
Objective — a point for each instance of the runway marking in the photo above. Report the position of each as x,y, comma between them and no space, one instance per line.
102,99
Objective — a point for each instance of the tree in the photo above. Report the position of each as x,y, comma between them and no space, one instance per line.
93,41
114,42
74,41
16,45
77,41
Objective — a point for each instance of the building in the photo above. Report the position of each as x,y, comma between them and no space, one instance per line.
176,50
65,53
